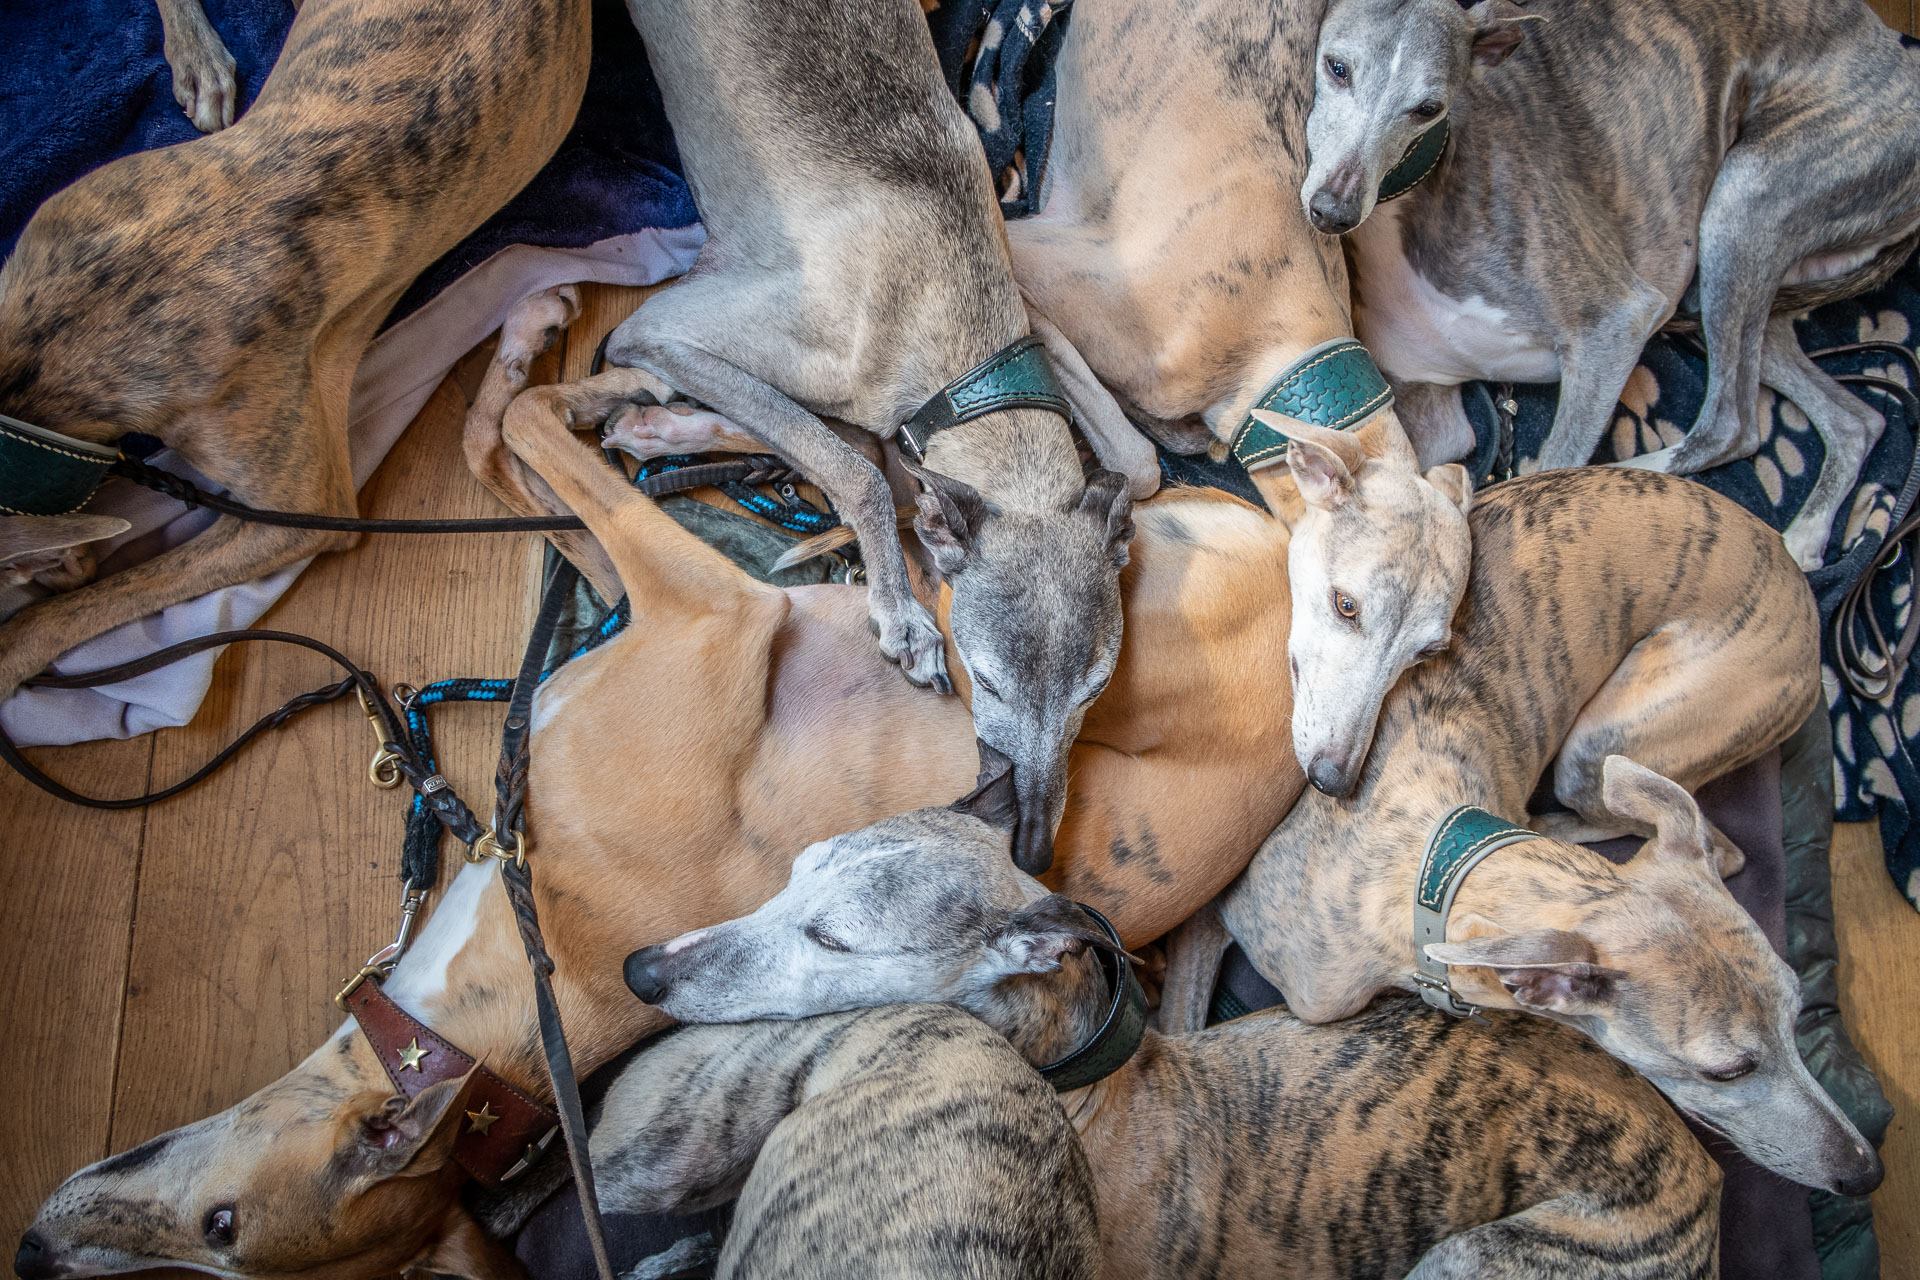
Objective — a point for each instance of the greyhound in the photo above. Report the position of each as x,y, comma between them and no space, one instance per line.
218,294
42,553
909,1141
1613,617
888,305
1194,308
1258,1149
1601,153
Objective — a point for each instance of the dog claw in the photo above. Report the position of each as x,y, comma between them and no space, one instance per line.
204,80
909,637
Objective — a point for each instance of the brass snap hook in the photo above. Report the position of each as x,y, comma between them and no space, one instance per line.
384,769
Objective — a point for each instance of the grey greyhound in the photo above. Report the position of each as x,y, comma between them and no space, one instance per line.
855,269
1257,1149
1600,152
906,1142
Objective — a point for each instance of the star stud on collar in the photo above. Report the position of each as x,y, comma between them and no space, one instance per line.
482,1120
411,1055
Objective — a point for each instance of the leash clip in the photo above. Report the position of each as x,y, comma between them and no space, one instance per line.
381,963
384,769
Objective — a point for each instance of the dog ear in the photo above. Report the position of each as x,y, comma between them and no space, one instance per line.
1547,970
1324,480
469,1253
951,515
992,799
397,1137
1498,26
1109,499
1453,482
1638,794
1039,935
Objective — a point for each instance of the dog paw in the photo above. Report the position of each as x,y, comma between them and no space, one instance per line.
1807,542
203,75
654,430
910,639
535,324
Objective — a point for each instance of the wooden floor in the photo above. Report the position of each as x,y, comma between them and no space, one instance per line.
159,965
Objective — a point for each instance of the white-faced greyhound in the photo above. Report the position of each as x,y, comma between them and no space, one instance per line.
1584,160
1265,1148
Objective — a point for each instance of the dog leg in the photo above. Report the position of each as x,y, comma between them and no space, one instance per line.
657,430
1117,443
1847,427
1194,951
1435,421
1594,367
530,330
1565,1237
906,630
203,79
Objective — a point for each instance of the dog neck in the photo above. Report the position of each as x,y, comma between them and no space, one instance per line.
1046,1016
1020,460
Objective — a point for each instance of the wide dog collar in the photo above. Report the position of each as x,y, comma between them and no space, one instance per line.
1015,377
1459,843
1423,153
44,473
1113,1044
502,1132
1335,385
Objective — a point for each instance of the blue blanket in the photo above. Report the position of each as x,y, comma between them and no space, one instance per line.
84,82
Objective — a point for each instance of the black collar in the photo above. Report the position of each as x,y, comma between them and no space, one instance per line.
1113,1044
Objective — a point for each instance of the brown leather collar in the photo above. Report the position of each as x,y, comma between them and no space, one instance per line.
502,1132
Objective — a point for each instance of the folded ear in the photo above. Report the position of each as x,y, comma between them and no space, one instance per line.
1660,805
1548,970
1108,498
397,1137
1453,482
951,514
1036,937
1498,26
1322,461
992,799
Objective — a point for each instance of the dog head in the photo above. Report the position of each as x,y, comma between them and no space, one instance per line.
1662,968
1387,72
1379,562
921,907
1035,618
326,1172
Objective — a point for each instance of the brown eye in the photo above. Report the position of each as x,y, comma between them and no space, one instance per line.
1345,605
219,1229
1425,111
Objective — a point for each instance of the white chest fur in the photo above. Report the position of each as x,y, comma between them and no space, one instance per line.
1419,334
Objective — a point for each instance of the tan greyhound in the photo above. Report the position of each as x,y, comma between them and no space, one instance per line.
218,294
1611,614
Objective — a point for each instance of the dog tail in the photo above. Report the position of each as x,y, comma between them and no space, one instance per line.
821,544
1792,299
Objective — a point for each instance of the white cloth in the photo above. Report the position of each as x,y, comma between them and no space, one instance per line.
399,372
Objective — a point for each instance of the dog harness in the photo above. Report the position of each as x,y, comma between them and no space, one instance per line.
1423,153
1335,385
1015,377
1459,843
44,473
1118,1036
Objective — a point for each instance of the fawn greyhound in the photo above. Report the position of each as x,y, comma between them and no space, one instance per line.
909,1141
855,269
1162,255
1611,614
1622,145
218,294
1258,1149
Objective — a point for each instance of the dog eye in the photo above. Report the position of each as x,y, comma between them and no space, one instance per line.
1435,649
1727,1075
1345,605
821,938
219,1229
1426,110
1336,70
985,685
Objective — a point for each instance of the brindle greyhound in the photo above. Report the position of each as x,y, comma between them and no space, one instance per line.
218,294
1162,254
1258,1149
1610,614
1621,146
909,1141
855,269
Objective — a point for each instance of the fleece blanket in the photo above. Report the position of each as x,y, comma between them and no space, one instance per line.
85,82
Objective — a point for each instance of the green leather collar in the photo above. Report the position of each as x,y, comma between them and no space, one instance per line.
1015,377
1423,153
1334,385
43,473
1120,1031
1460,841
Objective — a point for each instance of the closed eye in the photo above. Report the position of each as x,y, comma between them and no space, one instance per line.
821,938
1735,1071
1435,649
1426,110
985,685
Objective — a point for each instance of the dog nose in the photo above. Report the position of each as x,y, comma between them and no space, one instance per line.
1328,774
1857,1181
33,1260
1033,845
644,978
1329,214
